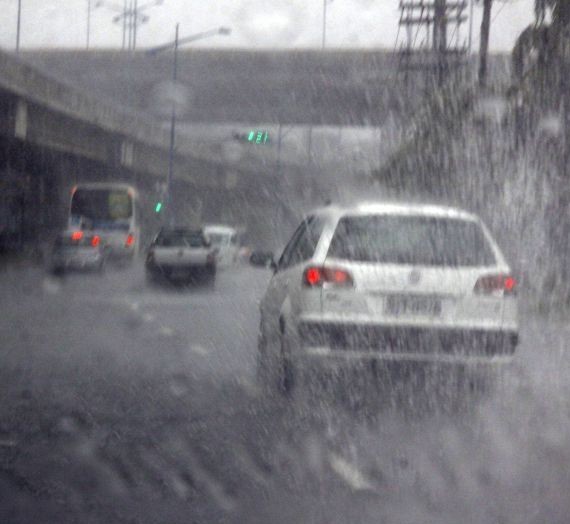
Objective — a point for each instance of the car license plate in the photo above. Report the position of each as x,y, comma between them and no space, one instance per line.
412,305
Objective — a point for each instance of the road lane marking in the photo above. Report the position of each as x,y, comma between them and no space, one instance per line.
166,331
134,306
198,349
349,473
51,286
251,389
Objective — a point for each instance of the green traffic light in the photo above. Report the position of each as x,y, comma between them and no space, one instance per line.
158,207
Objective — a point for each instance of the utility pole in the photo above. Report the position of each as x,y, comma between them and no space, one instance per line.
135,23
440,38
428,47
88,23
564,56
325,3
124,24
324,22
484,47
470,39
18,25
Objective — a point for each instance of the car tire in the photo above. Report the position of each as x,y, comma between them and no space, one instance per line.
57,271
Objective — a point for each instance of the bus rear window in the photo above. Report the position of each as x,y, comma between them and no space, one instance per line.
102,204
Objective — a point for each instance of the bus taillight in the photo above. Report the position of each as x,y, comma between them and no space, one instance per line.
130,240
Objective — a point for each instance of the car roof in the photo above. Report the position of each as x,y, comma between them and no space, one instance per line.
396,208
180,230
218,228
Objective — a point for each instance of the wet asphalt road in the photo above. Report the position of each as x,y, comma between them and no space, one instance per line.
129,404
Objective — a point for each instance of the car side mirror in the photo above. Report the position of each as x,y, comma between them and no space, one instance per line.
263,259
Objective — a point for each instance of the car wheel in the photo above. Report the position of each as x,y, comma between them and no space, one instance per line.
57,271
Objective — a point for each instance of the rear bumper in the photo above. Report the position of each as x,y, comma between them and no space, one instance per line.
169,270
82,262
338,343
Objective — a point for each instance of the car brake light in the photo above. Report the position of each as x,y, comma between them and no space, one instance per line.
130,240
492,283
317,276
77,235
96,240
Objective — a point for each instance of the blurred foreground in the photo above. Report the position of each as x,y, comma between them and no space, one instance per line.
128,403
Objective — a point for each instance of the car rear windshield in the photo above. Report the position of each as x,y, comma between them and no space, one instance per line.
181,239
218,239
415,240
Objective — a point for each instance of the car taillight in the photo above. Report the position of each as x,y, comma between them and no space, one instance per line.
96,240
130,240
494,283
76,236
317,276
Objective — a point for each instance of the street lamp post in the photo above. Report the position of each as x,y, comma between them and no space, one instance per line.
174,46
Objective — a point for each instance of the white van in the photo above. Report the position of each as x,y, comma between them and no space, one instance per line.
225,240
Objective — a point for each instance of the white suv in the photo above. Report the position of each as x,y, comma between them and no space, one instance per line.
379,283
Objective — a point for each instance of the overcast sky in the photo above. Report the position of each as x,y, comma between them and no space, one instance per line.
255,23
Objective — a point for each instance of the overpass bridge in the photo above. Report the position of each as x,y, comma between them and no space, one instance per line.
53,135
300,87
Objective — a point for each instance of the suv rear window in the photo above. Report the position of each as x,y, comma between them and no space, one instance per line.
181,239
414,240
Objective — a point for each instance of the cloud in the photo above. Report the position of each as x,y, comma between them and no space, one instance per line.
276,23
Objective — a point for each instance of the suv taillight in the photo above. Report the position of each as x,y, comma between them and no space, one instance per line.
130,240
317,276
493,283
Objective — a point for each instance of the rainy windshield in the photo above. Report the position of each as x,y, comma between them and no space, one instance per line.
285,261
411,240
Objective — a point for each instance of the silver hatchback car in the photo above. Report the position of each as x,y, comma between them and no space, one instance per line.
386,283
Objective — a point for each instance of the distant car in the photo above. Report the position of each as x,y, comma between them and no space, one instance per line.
77,250
225,240
181,254
387,284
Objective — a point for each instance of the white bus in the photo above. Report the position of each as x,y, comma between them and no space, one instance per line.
110,211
